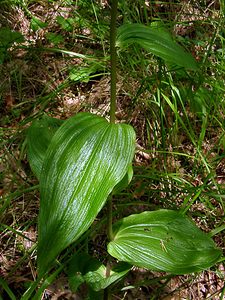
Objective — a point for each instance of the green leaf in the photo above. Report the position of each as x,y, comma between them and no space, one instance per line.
66,23
97,279
36,24
157,42
55,38
160,28
84,73
86,158
39,136
8,37
124,182
163,240
85,268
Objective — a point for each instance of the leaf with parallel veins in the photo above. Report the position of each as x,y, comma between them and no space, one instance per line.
163,240
86,159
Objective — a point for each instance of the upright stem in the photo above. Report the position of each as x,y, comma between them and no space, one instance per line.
109,219
114,4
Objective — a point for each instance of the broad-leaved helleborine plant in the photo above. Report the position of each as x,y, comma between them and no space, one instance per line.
81,161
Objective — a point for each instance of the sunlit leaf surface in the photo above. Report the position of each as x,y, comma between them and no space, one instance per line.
157,42
163,240
86,158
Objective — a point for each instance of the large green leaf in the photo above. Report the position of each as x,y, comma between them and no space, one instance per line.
163,240
8,37
124,182
86,158
39,136
85,268
156,41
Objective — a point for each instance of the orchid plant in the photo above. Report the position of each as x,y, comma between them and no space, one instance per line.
82,161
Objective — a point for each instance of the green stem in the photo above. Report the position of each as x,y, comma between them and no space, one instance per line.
113,59
114,4
107,294
109,219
